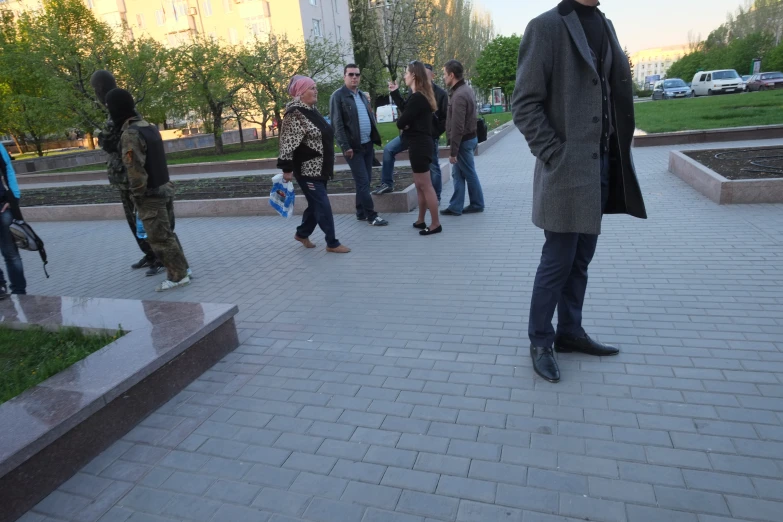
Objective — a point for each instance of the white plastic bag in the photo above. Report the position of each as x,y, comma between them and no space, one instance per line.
281,197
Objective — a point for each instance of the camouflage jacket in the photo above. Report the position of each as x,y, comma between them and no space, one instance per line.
109,141
134,156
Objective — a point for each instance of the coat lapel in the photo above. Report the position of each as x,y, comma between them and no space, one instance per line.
571,21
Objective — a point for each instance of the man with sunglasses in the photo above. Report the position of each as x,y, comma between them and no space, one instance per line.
356,131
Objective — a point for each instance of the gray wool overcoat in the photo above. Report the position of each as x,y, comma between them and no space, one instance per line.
557,105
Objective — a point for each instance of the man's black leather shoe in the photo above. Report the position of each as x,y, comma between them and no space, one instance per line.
544,363
565,344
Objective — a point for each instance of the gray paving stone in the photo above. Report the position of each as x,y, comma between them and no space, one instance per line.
424,504
591,508
271,476
342,449
689,500
474,450
410,479
498,472
234,512
423,443
318,485
280,501
652,514
528,498
183,482
305,462
467,488
372,495
445,464
379,437
557,481
651,474
755,509
478,512
391,457
233,492
622,490
361,471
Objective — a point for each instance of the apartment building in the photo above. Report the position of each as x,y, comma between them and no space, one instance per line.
172,22
656,61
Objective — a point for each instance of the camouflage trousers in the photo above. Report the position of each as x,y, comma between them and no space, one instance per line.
156,214
130,215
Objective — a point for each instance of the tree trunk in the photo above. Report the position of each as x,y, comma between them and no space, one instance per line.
38,141
263,127
18,146
241,136
90,142
217,131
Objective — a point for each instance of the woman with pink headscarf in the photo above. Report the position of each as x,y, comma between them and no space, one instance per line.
307,154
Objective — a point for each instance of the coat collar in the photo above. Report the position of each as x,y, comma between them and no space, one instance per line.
571,20
348,92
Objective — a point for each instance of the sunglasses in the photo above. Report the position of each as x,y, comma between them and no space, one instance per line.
352,75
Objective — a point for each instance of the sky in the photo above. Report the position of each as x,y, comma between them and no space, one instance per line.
640,24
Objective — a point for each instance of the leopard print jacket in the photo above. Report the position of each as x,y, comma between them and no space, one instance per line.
303,137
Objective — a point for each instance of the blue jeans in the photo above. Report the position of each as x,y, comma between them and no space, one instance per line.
390,152
462,173
361,169
13,261
400,144
435,174
318,212
561,280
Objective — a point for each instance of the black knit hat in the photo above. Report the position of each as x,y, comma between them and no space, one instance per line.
121,106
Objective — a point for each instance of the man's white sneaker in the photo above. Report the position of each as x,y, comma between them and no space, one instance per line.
170,285
190,273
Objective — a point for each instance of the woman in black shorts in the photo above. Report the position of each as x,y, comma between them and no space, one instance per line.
416,125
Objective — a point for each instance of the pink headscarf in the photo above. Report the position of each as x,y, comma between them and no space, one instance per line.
299,85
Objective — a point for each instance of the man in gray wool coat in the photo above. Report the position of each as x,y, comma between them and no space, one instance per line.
573,102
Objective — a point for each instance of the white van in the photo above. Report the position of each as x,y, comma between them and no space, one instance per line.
386,113
707,83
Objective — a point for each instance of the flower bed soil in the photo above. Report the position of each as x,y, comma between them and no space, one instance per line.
739,164
197,189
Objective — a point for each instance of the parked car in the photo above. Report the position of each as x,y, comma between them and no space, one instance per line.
764,81
707,83
386,113
670,89
745,78
486,108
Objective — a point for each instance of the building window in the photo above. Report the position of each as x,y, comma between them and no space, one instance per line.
233,36
337,6
317,27
90,4
182,9
313,2
207,7
227,5
339,33
140,20
160,17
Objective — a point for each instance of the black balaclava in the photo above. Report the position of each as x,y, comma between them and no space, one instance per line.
102,81
121,106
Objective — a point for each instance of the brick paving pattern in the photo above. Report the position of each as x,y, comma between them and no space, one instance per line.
394,384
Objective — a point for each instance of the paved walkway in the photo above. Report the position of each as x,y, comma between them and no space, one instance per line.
393,384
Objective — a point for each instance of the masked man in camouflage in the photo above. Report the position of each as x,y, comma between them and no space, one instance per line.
109,140
144,158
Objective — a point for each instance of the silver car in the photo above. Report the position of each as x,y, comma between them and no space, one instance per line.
670,89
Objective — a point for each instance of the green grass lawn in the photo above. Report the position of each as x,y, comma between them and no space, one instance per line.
269,149
47,153
727,110
30,356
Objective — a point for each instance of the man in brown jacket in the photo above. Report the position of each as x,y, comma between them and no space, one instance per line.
461,132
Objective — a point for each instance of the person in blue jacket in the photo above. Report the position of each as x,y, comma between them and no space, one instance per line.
9,193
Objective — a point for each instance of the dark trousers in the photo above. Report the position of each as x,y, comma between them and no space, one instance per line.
13,261
561,279
318,212
361,168
130,216
155,215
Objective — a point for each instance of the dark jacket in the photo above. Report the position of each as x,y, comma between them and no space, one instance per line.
144,158
461,122
438,117
345,119
557,105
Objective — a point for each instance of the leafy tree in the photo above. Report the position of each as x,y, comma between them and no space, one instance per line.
143,67
205,72
26,96
497,65
68,43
